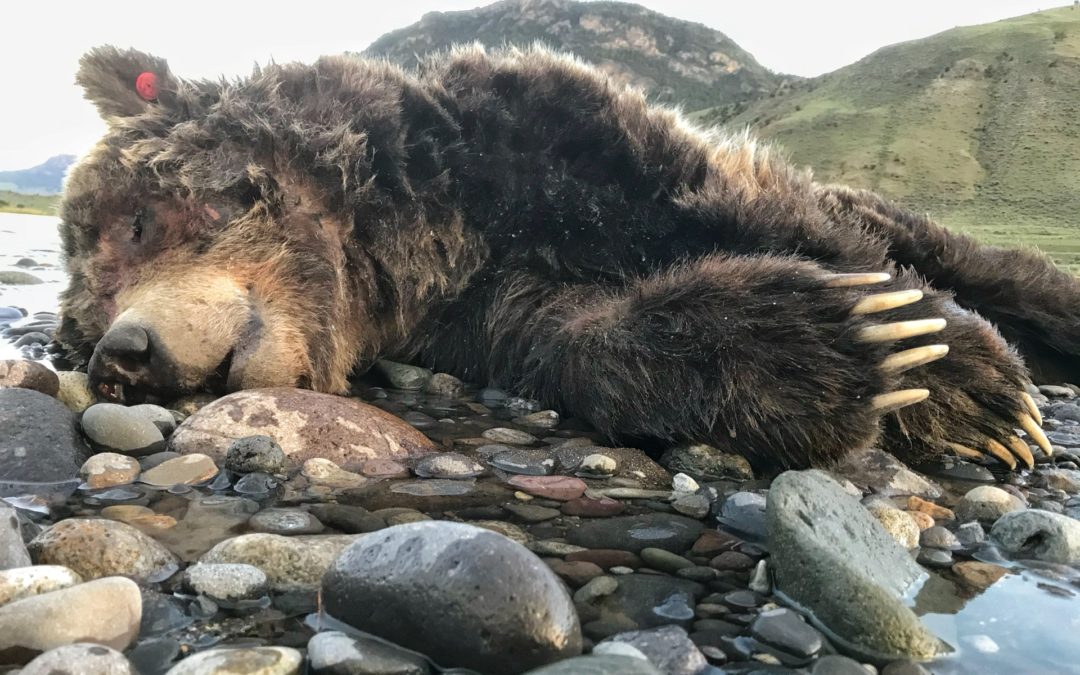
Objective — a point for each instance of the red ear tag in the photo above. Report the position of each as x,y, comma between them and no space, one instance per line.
147,86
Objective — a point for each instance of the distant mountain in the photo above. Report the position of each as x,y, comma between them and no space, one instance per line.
675,61
978,125
43,179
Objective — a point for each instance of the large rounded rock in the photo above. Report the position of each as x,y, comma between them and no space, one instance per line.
106,611
28,375
1039,534
290,563
986,504
244,661
822,539
23,582
418,584
305,423
80,659
39,441
95,547
334,653
115,428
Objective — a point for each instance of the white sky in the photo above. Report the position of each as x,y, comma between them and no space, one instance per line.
42,112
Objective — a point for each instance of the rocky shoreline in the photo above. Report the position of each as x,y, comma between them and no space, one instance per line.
425,526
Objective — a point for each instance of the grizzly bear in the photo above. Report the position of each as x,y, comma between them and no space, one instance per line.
517,218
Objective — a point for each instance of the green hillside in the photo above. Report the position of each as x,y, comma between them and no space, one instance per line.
978,125
15,202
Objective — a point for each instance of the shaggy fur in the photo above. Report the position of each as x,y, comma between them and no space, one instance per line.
519,219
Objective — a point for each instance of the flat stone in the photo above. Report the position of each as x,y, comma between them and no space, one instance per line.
509,436
74,390
383,468
1038,534
986,504
285,522
435,570
822,539
241,661
634,533
227,581
1067,480
970,534
334,653
95,547
1056,391
930,508
880,472
290,563
586,507
105,611
258,453
115,428
707,462
305,424
160,417
18,278
641,601
606,558
575,573
445,385
786,631
13,551
450,465
403,376
28,375
348,519
524,461
978,576
599,664
561,488
939,537
744,512
108,469
834,664
39,441
22,582
532,513
632,464
325,472
81,658
428,495
665,561
190,469
598,464
668,648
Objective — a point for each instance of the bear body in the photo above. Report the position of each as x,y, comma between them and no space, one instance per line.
519,219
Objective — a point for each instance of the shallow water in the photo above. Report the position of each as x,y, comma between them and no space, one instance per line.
35,237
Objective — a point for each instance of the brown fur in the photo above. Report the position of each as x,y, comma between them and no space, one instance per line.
520,219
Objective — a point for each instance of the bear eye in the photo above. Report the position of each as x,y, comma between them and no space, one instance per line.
137,226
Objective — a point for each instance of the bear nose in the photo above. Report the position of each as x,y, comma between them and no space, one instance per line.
126,345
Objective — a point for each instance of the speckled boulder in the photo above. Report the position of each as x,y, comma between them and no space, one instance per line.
39,441
305,424
28,375
95,547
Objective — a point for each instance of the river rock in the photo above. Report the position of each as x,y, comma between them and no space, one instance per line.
22,582
285,522
634,533
250,454
39,441
81,658
305,424
290,563
74,391
226,581
599,664
449,465
13,551
241,661
1039,534
108,469
823,539
668,648
882,473
444,575
115,428
95,547
402,375
900,525
636,601
335,653
105,611
191,469
28,375
18,278
986,504
705,461
325,472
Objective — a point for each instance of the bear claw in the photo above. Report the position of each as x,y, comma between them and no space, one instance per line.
895,400
881,302
1021,450
1034,430
899,330
911,358
1032,408
846,280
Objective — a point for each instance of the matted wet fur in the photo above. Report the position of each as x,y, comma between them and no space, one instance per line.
517,218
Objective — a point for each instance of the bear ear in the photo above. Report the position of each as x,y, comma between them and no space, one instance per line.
123,83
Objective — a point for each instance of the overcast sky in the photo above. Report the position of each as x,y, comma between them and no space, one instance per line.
42,112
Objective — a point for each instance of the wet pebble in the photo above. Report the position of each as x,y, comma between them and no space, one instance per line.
1038,534
74,391
977,576
13,551
285,522
607,558
935,557
1056,391
383,468
81,658
22,582
115,428
403,376
445,385
226,581
693,505
785,630
509,436
706,461
575,573
970,534
95,547
834,664
28,375
39,442
335,653
931,509
104,611
744,512
244,660
190,469
524,462
899,524
986,504
561,488
449,465
434,569
600,664
251,454
634,533
324,472
939,537
532,513
668,648
290,563
541,419
108,469
587,507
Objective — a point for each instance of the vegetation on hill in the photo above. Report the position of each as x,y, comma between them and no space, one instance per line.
15,202
675,61
979,125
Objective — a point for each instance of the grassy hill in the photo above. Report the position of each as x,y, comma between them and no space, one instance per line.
978,125
675,61
15,202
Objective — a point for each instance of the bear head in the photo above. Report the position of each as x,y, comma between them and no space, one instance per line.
275,230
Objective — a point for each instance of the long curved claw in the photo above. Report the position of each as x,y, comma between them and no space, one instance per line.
911,358
1021,450
894,400
881,302
1029,403
856,279
1027,423
889,332
966,452
1000,453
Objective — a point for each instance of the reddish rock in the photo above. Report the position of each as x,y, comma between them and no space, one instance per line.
383,468
732,560
593,508
28,375
713,542
561,488
577,573
306,424
978,576
929,508
606,558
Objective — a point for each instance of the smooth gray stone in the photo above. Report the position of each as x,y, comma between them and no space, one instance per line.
13,551
1038,534
335,653
39,441
599,664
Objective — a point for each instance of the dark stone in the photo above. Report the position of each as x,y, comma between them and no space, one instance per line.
647,601
744,512
348,519
13,551
935,557
335,653
38,438
258,453
634,533
418,584
427,495
783,629
599,664
668,648
834,664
